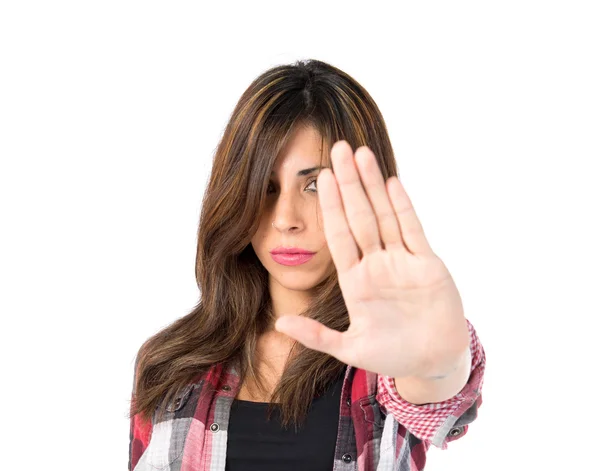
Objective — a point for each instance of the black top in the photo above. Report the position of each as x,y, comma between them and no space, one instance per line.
255,444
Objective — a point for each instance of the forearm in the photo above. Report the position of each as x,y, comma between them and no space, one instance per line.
423,390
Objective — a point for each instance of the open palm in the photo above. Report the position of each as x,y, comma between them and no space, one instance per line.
405,310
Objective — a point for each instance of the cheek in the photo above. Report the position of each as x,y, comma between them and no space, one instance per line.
320,222
260,236
327,253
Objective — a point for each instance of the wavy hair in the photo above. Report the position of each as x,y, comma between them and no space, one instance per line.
234,306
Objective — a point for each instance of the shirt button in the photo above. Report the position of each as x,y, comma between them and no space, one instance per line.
226,388
347,458
348,402
456,431
214,427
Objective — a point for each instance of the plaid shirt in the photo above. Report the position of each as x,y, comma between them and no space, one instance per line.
378,430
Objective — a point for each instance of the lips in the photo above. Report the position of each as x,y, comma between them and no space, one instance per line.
290,250
291,259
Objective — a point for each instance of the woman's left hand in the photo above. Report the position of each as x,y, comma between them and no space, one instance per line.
406,315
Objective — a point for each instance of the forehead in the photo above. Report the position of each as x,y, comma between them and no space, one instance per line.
303,150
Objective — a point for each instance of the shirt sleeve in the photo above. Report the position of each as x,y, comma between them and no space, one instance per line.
139,431
440,422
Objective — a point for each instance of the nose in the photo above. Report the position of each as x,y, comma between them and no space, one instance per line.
288,215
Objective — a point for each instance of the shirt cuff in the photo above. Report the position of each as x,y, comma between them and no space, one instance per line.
438,422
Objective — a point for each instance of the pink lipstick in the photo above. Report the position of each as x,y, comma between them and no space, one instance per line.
291,256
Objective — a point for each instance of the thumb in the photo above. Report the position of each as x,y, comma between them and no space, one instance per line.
312,334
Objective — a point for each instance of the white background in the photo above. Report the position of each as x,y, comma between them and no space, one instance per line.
110,113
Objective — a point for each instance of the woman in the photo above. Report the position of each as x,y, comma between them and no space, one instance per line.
327,307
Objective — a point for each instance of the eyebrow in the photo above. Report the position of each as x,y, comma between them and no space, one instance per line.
306,171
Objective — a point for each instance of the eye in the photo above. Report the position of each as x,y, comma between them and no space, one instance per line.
311,182
270,186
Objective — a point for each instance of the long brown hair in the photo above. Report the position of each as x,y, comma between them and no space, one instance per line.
234,308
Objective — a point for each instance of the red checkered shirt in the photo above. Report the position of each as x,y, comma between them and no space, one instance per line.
378,430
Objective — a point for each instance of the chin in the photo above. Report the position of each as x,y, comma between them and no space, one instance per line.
297,282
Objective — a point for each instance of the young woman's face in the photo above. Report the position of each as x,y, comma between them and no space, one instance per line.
293,217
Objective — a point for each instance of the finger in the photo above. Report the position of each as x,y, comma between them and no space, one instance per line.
410,226
341,243
370,173
313,335
359,212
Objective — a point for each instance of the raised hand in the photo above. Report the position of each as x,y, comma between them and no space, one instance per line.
406,315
